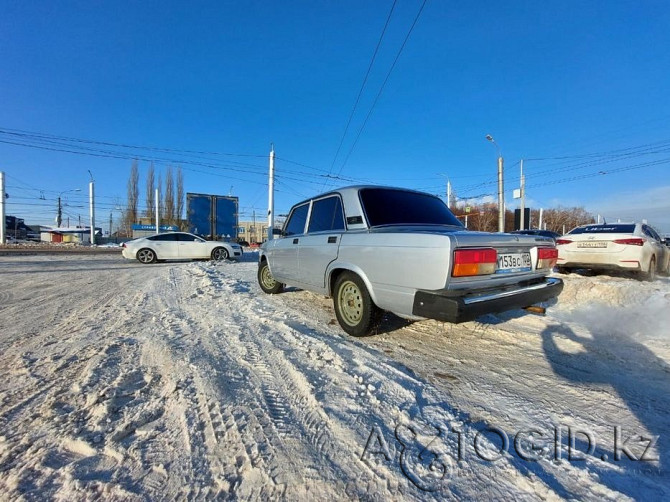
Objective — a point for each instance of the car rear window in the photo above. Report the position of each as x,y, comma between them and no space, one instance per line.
384,206
604,229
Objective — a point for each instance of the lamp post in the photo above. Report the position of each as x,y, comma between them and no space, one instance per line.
501,196
59,217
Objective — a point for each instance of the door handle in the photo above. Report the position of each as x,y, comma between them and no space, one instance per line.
295,241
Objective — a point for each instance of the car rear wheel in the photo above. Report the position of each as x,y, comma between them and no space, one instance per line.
354,309
268,283
219,254
146,256
650,275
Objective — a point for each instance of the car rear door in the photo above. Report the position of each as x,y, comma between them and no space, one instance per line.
319,246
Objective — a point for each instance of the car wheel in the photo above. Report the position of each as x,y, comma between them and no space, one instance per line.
354,308
219,254
146,256
650,275
265,280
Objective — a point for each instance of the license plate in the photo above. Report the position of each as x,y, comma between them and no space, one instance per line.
513,262
592,244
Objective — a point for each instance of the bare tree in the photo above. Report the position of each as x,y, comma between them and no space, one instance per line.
180,198
169,196
130,215
151,180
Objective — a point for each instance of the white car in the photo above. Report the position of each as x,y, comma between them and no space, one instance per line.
179,246
618,246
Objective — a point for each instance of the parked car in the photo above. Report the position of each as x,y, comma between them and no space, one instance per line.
377,248
178,246
537,231
619,246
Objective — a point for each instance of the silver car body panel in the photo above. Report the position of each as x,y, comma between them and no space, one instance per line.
393,261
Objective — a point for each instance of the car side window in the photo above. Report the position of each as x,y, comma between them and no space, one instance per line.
164,237
326,215
648,232
296,221
188,238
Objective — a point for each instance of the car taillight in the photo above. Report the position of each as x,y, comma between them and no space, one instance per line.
546,257
562,241
630,242
468,262
123,244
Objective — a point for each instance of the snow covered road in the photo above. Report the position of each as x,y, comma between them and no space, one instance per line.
184,381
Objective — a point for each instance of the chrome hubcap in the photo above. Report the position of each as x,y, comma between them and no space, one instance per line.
145,256
351,303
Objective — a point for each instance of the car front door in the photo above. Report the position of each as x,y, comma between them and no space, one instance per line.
165,246
284,255
319,246
191,247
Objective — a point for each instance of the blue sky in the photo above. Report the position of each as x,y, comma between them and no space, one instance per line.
579,86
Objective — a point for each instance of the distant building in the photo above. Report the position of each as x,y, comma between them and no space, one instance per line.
78,235
16,228
253,233
149,230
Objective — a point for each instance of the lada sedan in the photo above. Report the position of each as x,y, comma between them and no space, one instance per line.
377,248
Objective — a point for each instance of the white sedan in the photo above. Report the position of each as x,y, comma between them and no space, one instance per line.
179,246
618,246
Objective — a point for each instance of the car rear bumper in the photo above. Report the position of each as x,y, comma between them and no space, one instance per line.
453,306
620,265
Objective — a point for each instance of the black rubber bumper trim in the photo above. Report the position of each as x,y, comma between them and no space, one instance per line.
444,306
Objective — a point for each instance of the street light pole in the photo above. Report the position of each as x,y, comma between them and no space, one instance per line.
501,193
59,215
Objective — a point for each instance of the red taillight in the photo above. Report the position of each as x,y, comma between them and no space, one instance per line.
546,257
468,262
560,242
630,242
123,244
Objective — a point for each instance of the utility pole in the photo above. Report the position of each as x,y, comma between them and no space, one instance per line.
59,214
501,192
3,237
255,232
449,194
91,208
157,215
110,224
271,194
540,222
523,199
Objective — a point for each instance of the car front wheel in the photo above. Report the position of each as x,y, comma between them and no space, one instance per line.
354,309
146,256
219,254
265,280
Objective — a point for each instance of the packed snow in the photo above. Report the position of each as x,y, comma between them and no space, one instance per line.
184,381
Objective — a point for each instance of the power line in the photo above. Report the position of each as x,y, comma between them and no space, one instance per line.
381,89
360,91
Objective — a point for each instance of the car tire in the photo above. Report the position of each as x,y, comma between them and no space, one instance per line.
219,254
265,280
355,311
650,275
146,256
